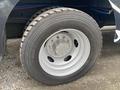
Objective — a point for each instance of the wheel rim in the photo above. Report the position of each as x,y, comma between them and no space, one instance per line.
64,52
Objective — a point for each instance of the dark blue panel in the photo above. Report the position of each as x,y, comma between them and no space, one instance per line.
98,9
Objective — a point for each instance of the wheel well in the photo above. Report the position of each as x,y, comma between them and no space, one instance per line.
24,10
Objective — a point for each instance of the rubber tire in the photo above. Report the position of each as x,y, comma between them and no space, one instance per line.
36,14
39,30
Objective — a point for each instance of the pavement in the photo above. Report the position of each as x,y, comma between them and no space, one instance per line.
105,75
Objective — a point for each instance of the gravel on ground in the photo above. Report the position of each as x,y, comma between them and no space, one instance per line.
105,75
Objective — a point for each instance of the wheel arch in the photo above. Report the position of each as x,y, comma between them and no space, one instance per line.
6,7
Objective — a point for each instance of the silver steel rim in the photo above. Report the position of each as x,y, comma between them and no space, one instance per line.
64,52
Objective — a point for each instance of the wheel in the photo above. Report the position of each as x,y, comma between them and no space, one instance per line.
60,45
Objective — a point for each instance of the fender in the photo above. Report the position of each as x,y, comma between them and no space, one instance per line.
6,6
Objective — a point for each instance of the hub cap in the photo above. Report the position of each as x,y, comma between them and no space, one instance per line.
64,52
59,45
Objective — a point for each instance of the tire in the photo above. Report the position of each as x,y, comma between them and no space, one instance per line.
38,13
43,28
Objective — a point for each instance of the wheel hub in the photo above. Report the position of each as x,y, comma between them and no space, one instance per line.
59,45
